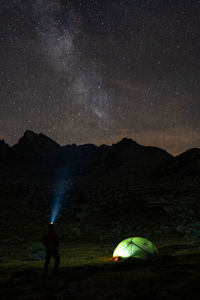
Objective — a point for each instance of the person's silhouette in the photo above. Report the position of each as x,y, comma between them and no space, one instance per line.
51,242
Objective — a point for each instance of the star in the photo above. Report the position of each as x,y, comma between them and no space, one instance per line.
97,71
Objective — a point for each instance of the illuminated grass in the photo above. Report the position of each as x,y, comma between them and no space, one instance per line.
86,265
88,270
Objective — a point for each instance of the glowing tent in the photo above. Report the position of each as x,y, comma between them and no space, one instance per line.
136,247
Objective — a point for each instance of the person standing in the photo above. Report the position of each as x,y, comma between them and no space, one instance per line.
51,242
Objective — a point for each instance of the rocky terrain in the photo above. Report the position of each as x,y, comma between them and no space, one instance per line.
107,190
108,193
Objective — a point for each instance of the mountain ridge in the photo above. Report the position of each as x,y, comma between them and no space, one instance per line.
30,136
38,155
125,181
37,151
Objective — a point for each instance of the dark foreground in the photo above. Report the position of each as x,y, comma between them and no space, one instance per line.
88,272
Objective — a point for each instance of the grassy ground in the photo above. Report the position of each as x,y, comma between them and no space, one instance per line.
88,272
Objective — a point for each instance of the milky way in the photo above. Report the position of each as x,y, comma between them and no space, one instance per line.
96,71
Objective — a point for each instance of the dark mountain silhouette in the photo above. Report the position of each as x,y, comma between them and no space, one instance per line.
34,146
117,173
127,158
4,151
29,157
38,156
183,168
112,189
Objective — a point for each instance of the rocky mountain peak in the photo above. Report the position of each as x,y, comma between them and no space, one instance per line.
31,138
33,146
4,150
126,142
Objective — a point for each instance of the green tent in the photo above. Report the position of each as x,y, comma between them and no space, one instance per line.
137,247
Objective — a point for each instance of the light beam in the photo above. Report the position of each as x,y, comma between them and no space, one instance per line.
59,193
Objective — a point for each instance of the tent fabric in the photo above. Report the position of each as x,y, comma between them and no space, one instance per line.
137,247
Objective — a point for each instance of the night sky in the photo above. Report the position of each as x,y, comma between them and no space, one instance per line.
97,71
